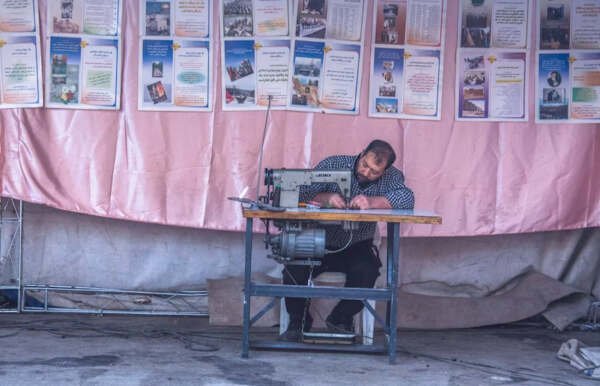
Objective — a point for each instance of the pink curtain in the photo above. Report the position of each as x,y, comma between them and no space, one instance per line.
177,168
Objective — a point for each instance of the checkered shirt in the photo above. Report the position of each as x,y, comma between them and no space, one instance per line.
390,185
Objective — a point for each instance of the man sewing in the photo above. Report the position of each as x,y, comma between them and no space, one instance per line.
376,184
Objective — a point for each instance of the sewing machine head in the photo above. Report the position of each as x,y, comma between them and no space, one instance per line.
283,185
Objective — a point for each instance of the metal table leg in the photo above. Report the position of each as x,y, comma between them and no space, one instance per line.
393,260
247,283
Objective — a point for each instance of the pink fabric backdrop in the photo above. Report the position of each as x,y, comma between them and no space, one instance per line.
177,168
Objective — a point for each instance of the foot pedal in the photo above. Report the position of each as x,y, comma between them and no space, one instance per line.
328,338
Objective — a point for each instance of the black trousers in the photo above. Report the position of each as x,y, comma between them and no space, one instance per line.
360,262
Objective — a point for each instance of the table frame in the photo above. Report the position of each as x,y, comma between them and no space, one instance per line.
393,217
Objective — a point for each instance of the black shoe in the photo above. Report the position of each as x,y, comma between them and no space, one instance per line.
294,330
340,324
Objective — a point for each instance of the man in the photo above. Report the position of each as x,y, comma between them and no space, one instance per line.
376,184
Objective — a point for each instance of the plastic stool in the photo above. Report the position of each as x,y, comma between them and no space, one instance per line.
368,321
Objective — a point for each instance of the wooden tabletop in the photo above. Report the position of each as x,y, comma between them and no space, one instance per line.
369,215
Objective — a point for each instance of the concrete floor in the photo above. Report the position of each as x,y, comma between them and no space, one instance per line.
71,349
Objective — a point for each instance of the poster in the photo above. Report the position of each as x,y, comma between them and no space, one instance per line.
253,71
91,17
192,18
175,18
20,55
568,87
586,24
406,59
83,73
405,82
20,77
491,85
510,21
255,18
424,22
553,87
331,19
390,22
325,77
555,26
18,16
174,75
585,83
492,60
155,18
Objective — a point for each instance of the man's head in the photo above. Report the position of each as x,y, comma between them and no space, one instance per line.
373,161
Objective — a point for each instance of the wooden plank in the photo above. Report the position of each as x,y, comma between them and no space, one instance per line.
369,215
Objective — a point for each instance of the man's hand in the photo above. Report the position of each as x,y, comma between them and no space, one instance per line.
360,202
363,202
331,200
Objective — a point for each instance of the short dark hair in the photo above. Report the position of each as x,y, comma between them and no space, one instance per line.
382,150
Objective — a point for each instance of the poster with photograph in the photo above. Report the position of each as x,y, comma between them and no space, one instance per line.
254,71
552,87
255,18
386,82
62,71
585,83
192,18
174,75
491,85
83,73
331,19
325,77
405,83
390,21
555,26
475,22
18,16
155,18
20,71
91,17
406,59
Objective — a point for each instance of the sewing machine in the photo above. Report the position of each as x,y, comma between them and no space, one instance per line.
300,242
283,185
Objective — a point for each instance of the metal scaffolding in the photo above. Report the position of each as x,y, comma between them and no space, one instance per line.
16,296
11,269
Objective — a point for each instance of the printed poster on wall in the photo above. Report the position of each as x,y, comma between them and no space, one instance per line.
175,55
83,72
174,74
253,71
90,17
83,54
406,59
20,55
18,16
330,19
568,52
568,87
566,24
492,60
255,52
326,64
20,80
181,18
325,77
491,84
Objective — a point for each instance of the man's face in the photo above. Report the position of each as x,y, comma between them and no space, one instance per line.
368,169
